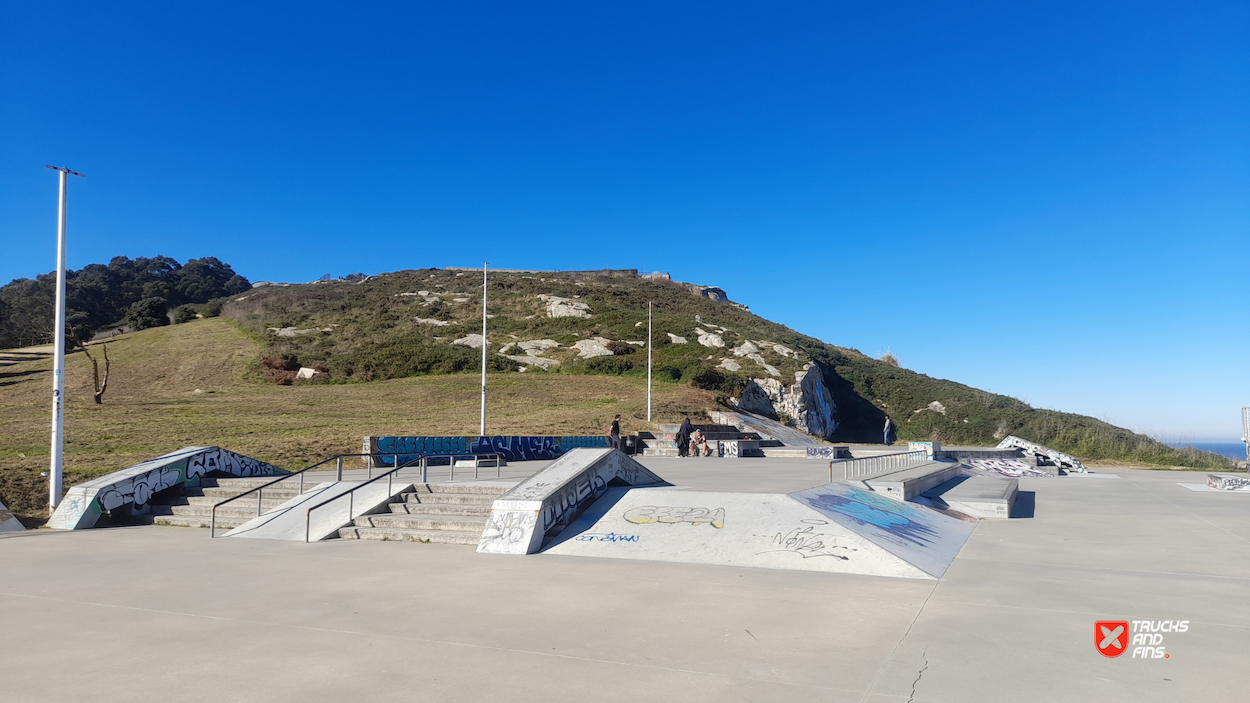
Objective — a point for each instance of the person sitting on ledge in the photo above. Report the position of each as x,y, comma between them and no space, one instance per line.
698,440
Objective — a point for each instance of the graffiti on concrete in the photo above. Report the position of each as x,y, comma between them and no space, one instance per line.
806,542
605,537
509,528
137,491
129,491
518,448
671,515
1066,461
1008,467
559,492
828,452
1228,483
868,508
512,447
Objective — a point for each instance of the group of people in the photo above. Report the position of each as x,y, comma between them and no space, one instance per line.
689,440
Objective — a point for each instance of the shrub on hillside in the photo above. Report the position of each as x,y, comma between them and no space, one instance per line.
610,365
213,307
709,379
620,348
280,362
182,314
148,312
671,373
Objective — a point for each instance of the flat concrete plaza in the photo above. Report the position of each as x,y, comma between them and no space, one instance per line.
162,613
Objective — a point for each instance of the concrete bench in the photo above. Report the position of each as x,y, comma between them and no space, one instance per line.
910,482
737,447
988,497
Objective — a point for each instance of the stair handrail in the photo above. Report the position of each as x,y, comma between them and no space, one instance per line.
882,463
260,490
422,461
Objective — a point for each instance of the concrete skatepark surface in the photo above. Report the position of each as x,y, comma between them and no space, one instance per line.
108,614
836,528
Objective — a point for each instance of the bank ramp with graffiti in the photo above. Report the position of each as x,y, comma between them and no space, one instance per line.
597,503
128,492
835,528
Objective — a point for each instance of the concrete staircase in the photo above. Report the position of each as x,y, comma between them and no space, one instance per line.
452,513
664,442
194,507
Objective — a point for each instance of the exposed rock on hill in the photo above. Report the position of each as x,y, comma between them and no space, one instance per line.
808,402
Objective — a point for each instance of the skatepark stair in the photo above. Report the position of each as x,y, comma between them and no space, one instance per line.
193,507
447,513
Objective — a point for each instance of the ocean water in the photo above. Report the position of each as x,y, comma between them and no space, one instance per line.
1232,450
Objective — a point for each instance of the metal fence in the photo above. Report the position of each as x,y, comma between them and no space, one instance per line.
872,465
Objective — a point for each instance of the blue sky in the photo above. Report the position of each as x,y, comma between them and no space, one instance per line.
1049,200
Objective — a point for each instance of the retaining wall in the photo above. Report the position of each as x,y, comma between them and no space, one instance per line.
512,447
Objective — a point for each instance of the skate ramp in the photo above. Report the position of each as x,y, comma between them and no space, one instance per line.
836,528
541,505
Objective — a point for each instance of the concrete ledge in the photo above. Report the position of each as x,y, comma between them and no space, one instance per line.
908,483
965,453
1229,482
552,498
986,497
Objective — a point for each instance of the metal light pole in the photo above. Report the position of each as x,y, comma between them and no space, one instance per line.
648,361
58,336
483,428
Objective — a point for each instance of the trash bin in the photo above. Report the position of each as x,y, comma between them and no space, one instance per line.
630,444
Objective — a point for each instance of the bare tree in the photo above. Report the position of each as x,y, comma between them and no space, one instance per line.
101,385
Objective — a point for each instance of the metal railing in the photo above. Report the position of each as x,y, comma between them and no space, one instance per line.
870,465
423,462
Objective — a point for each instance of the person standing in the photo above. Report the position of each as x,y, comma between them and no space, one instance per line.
889,427
683,437
614,434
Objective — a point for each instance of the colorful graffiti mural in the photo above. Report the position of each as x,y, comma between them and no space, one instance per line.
919,535
512,447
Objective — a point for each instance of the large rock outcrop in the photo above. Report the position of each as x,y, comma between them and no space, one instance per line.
808,402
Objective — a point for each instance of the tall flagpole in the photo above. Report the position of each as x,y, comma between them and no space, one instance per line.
648,361
58,336
483,428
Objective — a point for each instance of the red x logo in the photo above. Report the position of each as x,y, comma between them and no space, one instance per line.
1111,637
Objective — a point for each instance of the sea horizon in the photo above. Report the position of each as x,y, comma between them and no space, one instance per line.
1232,450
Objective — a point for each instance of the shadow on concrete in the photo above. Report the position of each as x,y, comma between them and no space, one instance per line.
1025,502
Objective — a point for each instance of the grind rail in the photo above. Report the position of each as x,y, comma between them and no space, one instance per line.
423,462
872,465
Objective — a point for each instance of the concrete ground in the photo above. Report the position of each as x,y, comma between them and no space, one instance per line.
132,613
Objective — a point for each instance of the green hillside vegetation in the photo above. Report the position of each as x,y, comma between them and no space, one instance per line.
136,293
368,330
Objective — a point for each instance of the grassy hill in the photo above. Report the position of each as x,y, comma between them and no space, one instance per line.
387,373
373,332
152,407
